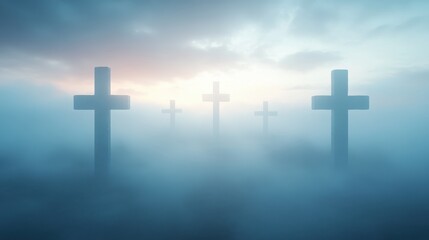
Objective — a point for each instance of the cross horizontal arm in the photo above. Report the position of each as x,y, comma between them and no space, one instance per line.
119,102
321,102
223,98
91,102
215,98
84,102
358,102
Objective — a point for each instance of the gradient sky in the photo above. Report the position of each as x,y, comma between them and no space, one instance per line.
281,51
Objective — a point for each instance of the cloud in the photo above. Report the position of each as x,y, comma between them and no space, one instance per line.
313,18
146,38
399,28
309,60
152,40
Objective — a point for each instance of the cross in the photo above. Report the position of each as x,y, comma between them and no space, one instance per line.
101,102
339,104
172,111
265,114
216,98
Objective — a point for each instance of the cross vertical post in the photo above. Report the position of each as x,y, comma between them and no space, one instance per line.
102,121
265,114
172,111
216,98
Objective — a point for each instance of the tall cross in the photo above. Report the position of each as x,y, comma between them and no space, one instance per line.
216,98
172,111
265,114
339,104
101,102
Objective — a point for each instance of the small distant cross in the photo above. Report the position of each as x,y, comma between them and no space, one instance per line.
216,98
102,102
265,114
339,104
172,111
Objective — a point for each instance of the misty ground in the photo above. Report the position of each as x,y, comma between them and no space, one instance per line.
200,189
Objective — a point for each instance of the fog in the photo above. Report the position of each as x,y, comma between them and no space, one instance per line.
187,185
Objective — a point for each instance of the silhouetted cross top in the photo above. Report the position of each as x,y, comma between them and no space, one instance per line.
102,102
265,114
172,111
340,103
216,98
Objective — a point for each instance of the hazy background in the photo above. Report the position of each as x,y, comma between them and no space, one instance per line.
184,185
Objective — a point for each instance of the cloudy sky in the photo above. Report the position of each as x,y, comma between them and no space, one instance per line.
248,188
281,51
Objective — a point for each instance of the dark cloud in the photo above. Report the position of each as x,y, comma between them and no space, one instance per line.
148,38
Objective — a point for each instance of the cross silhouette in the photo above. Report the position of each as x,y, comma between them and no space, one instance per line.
339,104
172,111
101,102
216,98
265,114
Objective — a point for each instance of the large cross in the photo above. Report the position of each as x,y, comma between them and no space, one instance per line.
265,114
101,102
339,104
172,111
216,98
